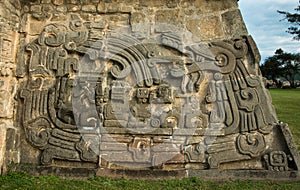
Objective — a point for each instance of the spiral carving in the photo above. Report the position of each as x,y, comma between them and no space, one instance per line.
155,122
251,144
53,35
38,132
222,60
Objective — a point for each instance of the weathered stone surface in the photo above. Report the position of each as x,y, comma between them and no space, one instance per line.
58,2
61,8
47,8
36,8
74,8
233,23
12,143
89,8
2,143
134,88
9,13
215,5
169,20
206,28
47,1
154,3
140,22
101,7
7,88
35,26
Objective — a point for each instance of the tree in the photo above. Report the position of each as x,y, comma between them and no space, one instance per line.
294,19
282,64
271,70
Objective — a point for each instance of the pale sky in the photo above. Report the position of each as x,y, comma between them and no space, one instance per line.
265,25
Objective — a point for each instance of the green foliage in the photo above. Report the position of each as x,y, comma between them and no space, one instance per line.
294,19
282,64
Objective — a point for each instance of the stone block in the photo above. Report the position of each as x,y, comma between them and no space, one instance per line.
172,3
112,7
118,19
116,138
89,8
7,91
126,9
11,139
159,3
86,2
139,22
116,156
206,28
138,17
233,23
45,1
61,8
167,158
13,7
72,2
101,8
173,166
187,3
211,6
27,153
36,8
2,143
57,2
16,4
113,146
58,17
153,3
11,142
74,8
169,20
5,103
6,52
47,8
35,26
166,147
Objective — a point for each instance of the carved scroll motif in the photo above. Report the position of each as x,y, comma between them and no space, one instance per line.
251,144
235,98
277,161
242,94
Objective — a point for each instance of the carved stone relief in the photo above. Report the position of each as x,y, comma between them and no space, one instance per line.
7,83
6,48
277,161
116,100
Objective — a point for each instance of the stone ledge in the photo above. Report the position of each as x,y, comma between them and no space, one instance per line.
65,172
152,174
141,174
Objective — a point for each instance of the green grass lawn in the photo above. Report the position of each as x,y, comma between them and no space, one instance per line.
287,104
24,181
